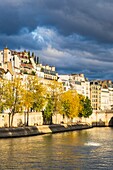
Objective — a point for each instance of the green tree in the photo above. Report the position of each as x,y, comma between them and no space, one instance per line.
86,110
48,112
82,99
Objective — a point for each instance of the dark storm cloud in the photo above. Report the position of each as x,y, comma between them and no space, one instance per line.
86,17
74,35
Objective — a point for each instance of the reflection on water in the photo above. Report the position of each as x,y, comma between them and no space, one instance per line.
92,144
86,149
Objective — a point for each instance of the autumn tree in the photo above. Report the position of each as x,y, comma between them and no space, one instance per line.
54,90
69,104
34,95
39,95
2,95
12,97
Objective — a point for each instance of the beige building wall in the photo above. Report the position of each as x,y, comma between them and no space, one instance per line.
7,57
17,61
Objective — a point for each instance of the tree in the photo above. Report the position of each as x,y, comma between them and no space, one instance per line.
1,95
33,95
39,95
54,90
81,98
69,104
86,109
12,97
48,112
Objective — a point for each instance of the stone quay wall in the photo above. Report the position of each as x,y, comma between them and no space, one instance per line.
36,118
39,130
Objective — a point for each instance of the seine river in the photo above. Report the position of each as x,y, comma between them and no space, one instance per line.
78,150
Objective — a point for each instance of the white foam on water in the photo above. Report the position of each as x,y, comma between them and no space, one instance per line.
92,144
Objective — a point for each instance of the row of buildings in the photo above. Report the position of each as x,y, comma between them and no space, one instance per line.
13,63
99,92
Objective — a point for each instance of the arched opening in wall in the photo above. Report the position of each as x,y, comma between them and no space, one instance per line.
111,122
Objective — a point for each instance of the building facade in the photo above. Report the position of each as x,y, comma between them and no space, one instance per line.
77,82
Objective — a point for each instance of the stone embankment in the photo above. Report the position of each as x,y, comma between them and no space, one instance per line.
39,130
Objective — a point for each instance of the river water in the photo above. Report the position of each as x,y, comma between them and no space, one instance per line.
77,150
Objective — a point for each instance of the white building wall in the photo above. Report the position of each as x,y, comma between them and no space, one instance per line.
105,105
8,76
17,61
40,74
65,80
77,82
86,88
111,97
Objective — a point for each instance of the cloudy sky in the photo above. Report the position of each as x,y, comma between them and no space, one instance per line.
76,36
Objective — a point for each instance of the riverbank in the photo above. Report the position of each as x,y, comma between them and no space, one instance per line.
40,130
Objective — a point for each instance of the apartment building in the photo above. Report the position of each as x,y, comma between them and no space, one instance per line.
80,84
95,95
49,72
64,79
111,97
101,94
105,104
77,82
19,63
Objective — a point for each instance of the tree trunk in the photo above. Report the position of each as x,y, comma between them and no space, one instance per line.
24,118
51,121
11,120
27,118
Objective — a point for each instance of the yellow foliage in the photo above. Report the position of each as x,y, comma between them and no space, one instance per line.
54,88
34,92
69,104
